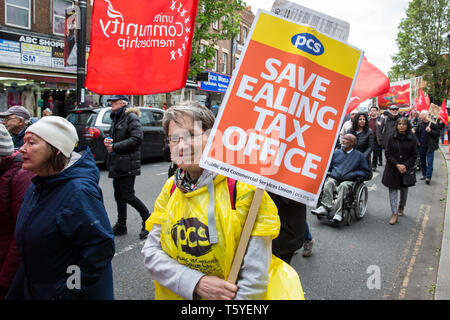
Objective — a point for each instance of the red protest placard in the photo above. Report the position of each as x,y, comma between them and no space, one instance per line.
140,47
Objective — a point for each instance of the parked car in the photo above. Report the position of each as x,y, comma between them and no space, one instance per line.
93,125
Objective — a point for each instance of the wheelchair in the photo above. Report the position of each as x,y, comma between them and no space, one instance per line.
355,203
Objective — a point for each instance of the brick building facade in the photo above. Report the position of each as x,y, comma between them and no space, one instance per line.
32,52
32,57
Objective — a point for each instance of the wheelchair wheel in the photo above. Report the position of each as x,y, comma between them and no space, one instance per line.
361,198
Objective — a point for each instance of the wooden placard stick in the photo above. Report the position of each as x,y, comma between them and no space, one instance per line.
245,236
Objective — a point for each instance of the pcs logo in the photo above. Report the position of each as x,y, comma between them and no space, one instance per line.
192,236
308,43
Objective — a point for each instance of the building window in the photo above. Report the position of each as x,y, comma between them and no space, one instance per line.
238,36
202,49
244,33
18,13
224,62
59,15
215,25
214,60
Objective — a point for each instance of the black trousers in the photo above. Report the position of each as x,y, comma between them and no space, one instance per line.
293,227
124,194
377,155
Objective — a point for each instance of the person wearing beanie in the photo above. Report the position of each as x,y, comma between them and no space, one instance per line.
6,144
125,161
14,183
62,232
56,131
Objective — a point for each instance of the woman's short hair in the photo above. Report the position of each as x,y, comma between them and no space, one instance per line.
192,109
57,160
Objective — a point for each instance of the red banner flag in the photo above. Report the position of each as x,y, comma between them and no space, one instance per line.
140,47
416,103
399,94
370,82
443,114
427,101
423,102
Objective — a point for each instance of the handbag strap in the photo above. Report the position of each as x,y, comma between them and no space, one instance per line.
399,149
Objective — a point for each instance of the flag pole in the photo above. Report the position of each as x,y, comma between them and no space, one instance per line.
81,55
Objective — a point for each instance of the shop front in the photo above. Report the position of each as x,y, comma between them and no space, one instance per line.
209,93
214,89
32,74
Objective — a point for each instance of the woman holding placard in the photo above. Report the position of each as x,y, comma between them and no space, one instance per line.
198,219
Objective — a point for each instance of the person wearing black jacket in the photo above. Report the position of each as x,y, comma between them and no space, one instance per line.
401,154
125,161
387,124
364,136
427,135
293,232
374,125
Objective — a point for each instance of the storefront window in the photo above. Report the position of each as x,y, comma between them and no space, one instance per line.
18,13
59,15
154,100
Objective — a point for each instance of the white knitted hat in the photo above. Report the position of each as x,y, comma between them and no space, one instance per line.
56,131
6,144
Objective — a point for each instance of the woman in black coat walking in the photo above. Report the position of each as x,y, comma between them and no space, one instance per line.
364,136
401,154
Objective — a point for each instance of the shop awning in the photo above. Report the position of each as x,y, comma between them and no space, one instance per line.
39,75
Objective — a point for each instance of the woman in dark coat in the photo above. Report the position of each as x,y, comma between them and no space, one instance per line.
14,183
63,234
401,154
364,136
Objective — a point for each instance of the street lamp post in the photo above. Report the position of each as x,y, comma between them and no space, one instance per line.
81,55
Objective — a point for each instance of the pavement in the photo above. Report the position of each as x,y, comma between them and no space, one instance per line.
443,277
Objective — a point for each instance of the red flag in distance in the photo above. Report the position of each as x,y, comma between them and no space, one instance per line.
140,47
370,82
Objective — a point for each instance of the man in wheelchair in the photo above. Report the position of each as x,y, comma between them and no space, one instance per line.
347,165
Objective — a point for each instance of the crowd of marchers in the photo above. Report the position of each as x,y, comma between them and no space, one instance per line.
53,217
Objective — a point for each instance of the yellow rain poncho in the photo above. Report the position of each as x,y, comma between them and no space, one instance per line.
184,234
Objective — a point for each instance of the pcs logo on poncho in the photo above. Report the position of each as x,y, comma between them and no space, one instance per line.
192,236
